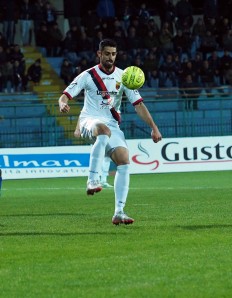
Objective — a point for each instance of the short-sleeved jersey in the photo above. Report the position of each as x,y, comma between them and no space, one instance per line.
97,101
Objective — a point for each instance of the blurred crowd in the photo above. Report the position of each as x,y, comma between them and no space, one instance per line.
172,46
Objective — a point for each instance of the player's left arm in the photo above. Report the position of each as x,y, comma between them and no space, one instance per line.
145,115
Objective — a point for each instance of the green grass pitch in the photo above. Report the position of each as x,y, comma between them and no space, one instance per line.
57,242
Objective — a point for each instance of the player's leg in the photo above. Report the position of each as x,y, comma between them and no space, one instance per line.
121,185
105,172
95,130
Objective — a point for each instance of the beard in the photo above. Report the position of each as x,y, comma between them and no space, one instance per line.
108,64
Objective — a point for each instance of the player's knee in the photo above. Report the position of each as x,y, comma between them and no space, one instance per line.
120,156
102,129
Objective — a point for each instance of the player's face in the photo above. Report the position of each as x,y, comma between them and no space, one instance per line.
107,57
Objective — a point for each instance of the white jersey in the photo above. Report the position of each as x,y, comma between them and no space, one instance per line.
102,91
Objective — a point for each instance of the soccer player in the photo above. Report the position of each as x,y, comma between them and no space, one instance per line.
99,121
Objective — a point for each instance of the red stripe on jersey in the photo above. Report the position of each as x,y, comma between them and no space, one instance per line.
101,86
99,83
67,94
137,102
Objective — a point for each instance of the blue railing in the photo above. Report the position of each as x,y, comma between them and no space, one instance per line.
35,123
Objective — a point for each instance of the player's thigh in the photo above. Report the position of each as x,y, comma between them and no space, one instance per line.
91,127
117,147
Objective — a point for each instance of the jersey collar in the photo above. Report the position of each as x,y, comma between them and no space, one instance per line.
108,73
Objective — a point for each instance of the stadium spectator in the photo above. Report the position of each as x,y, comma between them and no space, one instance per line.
226,64
120,39
90,23
123,60
26,17
143,13
213,27
85,47
138,62
198,31
168,76
134,42
227,40
184,14
117,26
34,72
207,78
42,40
96,39
153,79
75,31
56,37
210,10
208,44
151,41
3,59
189,68
19,80
8,77
83,64
105,9
105,28
38,17
66,72
49,14
69,48
72,12
166,40
150,63
190,91
182,44
215,64
3,41
224,25
125,10
167,13
10,14
153,26
17,54
139,28
225,8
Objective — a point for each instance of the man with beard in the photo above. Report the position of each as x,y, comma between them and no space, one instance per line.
99,121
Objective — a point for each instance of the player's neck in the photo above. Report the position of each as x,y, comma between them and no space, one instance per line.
106,70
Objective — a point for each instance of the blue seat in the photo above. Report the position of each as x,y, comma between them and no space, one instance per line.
36,110
7,111
164,116
172,105
212,104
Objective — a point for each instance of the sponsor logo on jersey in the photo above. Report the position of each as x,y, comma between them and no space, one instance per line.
104,93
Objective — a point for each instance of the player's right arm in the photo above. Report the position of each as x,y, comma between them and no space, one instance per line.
63,104
72,90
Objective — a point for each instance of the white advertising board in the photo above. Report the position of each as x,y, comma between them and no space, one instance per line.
181,155
169,155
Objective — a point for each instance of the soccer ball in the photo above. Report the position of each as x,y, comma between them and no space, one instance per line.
133,77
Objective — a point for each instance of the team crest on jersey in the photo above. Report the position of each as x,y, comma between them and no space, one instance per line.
118,85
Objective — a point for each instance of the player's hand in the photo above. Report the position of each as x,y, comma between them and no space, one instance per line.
64,107
156,135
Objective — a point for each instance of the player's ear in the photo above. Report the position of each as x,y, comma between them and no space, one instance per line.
99,53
